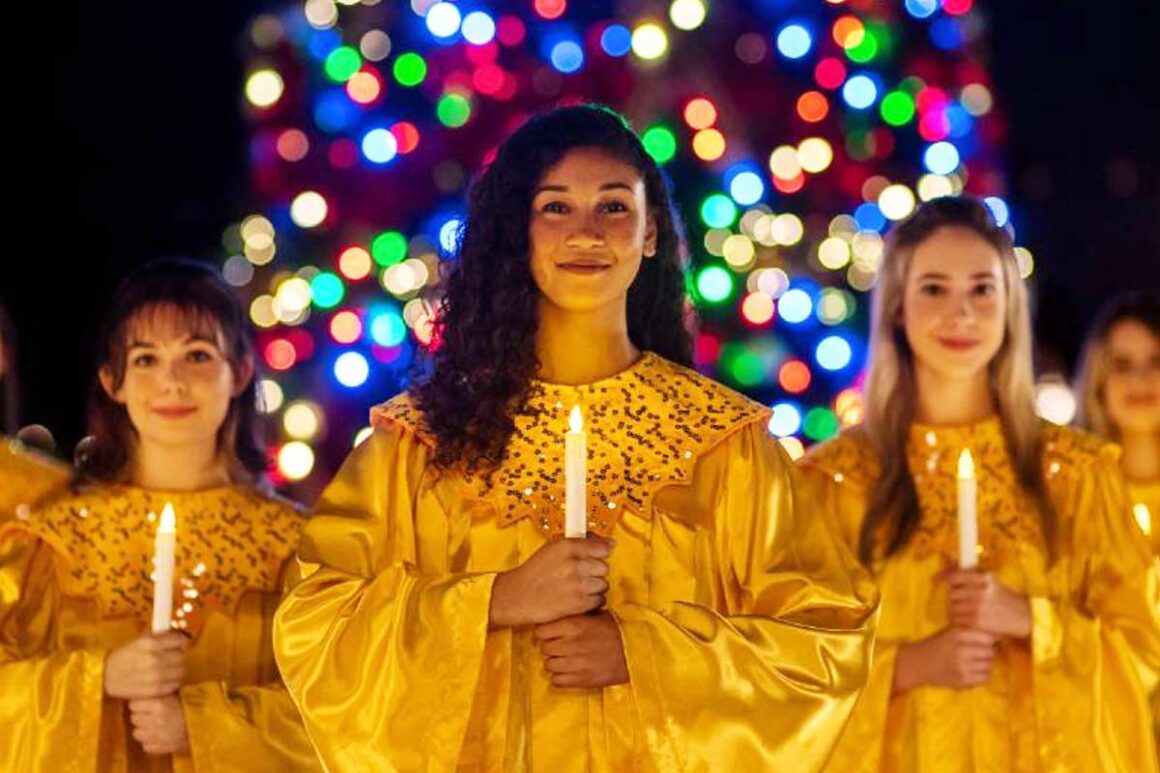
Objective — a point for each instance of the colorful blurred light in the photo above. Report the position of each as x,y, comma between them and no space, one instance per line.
478,28
616,40
833,352
757,309
794,41
718,211
649,41
379,146
661,144
351,369
264,88
687,14
786,420
443,20
295,460
714,284
794,376
795,306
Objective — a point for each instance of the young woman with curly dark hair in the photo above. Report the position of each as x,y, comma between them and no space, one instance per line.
703,624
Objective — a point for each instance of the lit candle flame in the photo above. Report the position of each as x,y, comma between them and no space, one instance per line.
168,520
966,465
1143,518
575,420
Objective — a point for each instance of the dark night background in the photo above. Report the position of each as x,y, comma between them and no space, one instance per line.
140,127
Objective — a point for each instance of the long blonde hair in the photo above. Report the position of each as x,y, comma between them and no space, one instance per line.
1092,374
891,392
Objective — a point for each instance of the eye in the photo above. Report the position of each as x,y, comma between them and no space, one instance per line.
1120,365
933,290
143,360
199,355
986,290
555,208
614,206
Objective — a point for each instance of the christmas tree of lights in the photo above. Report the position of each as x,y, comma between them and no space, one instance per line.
794,132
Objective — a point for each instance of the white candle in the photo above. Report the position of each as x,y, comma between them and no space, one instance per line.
164,550
576,477
968,512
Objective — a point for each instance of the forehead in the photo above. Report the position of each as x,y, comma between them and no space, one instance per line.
1132,334
167,324
592,168
956,252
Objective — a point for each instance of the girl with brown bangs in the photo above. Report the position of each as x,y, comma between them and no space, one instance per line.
85,682
1025,661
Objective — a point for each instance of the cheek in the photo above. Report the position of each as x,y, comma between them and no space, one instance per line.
919,313
136,388
1115,389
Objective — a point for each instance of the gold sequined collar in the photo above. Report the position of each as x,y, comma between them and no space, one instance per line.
646,427
980,434
230,540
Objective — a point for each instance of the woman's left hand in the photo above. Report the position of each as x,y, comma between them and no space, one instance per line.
977,600
159,725
583,651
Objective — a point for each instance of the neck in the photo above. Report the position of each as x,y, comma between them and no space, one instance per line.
1141,459
948,400
178,468
582,347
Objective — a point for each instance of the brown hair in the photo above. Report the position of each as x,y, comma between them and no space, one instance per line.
208,305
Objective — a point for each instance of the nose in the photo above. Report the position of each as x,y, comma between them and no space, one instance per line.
173,378
965,310
586,235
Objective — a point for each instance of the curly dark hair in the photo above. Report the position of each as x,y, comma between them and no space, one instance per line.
209,305
479,377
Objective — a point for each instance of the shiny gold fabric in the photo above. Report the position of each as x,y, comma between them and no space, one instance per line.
746,623
74,584
1072,698
1146,495
27,477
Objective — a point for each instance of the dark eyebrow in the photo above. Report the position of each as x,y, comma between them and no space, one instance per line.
564,188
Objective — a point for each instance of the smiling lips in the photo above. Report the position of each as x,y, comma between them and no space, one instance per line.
175,411
584,266
959,344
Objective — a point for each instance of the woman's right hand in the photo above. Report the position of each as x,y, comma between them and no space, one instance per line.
147,667
564,577
958,658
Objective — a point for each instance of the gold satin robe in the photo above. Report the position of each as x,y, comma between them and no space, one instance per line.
746,623
1146,509
27,477
75,584
1068,699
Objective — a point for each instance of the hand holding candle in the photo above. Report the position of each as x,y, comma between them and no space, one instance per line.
576,477
164,554
968,512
